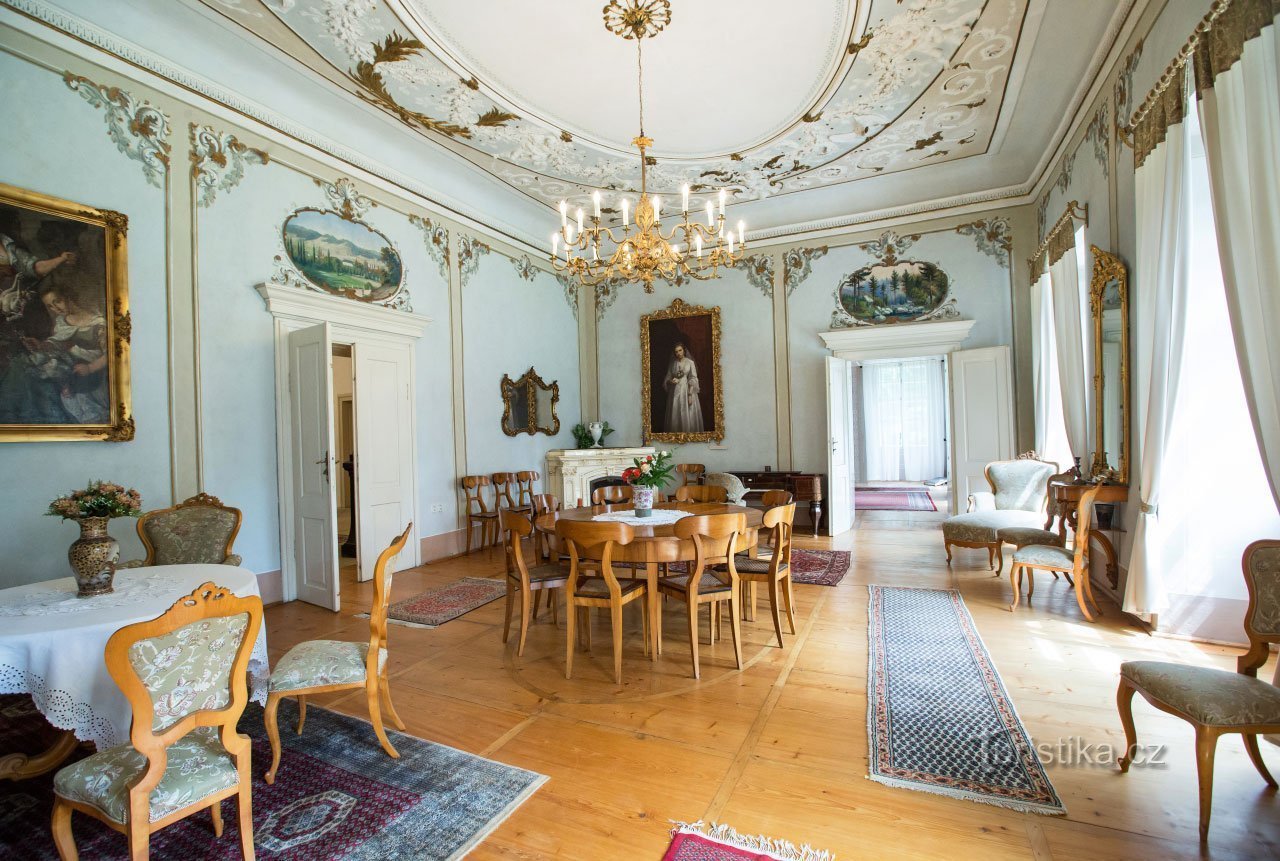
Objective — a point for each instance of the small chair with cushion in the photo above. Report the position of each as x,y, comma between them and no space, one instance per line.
774,570
702,493
526,581
322,666
185,675
690,472
1074,562
198,530
1217,702
734,489
1019,490
1026,536
712,578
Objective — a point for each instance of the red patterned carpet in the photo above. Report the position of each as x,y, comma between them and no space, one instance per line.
892,499
699,842
429,609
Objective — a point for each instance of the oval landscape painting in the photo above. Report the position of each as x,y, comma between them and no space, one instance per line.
888,294
342,256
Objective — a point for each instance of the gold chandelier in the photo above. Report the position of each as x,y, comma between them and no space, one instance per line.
642,251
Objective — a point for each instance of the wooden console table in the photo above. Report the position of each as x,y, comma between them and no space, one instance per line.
1067,496
804,487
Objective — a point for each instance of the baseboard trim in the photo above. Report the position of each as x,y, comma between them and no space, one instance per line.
271,587
433,548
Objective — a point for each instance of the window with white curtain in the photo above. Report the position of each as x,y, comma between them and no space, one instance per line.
905,419
1051,425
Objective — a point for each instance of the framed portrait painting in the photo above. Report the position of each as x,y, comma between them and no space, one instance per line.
64,320
681,398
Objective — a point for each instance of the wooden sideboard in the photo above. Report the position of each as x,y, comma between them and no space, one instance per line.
804,487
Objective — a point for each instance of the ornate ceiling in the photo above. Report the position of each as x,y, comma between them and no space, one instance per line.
766,99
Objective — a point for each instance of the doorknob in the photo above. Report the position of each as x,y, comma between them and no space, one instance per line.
325,461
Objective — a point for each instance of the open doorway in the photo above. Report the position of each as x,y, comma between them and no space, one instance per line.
344,448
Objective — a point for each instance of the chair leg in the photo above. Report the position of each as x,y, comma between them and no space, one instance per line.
302,712
693,637
1080,596
775,608
571,631
947,546
215,811
735,625
385,686
1255,755
62,836
375,717
526,598
644,622
991,556
1015,580
1206,746
1124,705
1088,591
273,734
615,617
555,607
470,527
139,842
244,815
999,559
506,624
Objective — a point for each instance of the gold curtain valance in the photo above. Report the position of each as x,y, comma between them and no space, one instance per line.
1214,47
1060,239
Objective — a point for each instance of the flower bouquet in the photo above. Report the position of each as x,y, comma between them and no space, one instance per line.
99,499
94,554
649,474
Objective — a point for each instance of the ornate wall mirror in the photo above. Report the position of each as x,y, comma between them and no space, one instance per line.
529,405
1109,305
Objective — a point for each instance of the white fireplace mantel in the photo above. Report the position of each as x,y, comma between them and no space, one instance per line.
570,471
897,341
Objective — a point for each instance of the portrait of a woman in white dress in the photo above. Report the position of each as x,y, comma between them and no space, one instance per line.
684,407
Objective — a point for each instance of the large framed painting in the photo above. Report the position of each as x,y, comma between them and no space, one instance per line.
342,255
64,320
681,397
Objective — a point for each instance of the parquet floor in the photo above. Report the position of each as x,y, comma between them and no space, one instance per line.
780,748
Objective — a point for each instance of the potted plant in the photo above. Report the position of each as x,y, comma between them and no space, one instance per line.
94,554
649,474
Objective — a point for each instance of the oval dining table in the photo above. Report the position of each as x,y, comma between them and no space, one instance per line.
656,544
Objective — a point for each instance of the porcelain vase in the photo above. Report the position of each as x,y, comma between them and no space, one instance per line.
597,430
93,557
642,500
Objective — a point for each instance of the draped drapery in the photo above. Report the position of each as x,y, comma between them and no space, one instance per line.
1050,426
904,411
1070,324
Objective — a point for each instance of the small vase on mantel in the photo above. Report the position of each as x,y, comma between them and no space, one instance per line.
642,500
597,431
93,557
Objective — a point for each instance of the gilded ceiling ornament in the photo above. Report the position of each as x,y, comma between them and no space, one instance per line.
1099,134
139,129
993,236
637,19
887,248
218,161
759,269
797,265
470,251
373,89
437,242
346,198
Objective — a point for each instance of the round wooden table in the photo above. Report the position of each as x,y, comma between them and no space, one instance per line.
656,545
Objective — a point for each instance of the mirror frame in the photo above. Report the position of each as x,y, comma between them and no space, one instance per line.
531,383
1108,267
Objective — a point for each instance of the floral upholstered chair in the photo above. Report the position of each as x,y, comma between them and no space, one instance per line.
198,530
1217,702
321,666
1019,491
734,489
184,754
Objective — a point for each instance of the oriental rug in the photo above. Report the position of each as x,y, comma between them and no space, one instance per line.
337,796
701,842
810,567
892,499
938,716
434,608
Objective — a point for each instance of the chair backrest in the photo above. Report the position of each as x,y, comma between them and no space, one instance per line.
382,598
516,527
773,498
473,486
612,493
545,503
688,471
590,545
701,493
1261,564
526,479
1084,524
715,540
781,521
1020,484
199,529
186,668
502,482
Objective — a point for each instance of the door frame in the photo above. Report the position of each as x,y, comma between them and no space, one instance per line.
352,323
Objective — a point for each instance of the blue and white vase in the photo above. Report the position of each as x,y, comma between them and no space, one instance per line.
642,499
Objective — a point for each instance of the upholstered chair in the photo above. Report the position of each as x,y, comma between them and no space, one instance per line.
526,581
1026,536
1074,561
1019,490
734,489
322,666
198,530
184,754
712,578
1217,702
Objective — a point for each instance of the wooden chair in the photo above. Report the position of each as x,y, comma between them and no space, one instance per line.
1217,702
199,529
478,513
701,493
184,754
503,482
715,539
543,542
612,494
690,471
320,666
775,570
525,580
590,547
525,480
1052,557
774,498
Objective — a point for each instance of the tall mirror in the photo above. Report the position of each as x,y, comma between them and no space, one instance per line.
1109,305
529,405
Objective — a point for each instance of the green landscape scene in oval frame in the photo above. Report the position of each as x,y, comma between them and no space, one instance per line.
905,290
342,256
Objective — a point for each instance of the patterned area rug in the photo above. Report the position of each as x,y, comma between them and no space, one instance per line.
337,796
938,717
811,567
892,499
433,608
699,842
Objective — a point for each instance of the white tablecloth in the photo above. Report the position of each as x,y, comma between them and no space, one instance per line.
658,517
52,643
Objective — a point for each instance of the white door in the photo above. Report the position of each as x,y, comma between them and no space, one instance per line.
384,452
839,502
315,516
982,428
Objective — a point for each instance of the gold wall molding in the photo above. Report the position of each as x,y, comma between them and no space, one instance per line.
139,129
993,237
436,237
797,265
218,161
470,250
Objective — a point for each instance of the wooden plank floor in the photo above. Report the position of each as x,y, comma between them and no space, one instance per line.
780,748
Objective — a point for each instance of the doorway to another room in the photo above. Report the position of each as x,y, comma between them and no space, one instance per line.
344,448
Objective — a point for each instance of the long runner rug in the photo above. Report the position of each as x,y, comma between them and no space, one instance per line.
938,717
892,499
337,796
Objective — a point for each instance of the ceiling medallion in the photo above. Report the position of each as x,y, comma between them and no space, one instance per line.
643,252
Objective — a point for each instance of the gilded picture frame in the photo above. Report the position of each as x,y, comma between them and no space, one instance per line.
1109,294
681,392
529,405
65,326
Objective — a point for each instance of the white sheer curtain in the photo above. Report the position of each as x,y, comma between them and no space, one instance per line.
1240,122
904,415
1069,321
1162,189
1051,430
